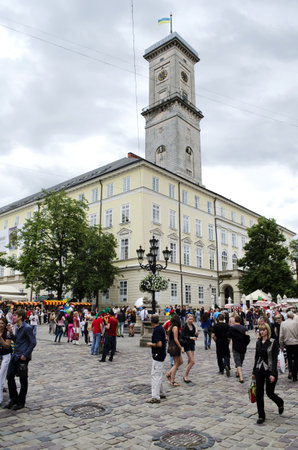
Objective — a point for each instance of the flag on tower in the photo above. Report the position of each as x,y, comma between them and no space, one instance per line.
164,20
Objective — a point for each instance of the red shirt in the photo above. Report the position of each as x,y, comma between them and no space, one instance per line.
96,325
113,326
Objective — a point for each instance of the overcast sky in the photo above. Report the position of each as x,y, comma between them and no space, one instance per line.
68,103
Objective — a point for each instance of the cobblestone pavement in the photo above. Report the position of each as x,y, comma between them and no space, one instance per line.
64,375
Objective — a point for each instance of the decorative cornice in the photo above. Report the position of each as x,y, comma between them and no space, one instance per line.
163,104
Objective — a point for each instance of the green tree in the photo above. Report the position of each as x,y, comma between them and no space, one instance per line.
54,242
265,262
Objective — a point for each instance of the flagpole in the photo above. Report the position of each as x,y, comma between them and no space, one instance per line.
171,23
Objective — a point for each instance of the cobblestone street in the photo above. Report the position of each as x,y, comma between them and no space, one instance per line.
63,375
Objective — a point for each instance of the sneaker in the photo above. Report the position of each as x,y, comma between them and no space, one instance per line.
18,406
227,369
153,400
281,409
163,396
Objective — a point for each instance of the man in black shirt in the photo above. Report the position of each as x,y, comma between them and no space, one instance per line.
220,336
158,347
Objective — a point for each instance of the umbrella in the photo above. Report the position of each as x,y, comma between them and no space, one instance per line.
262,303
231,305
139,302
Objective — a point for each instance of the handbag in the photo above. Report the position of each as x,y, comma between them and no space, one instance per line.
252,392
281,362
22,370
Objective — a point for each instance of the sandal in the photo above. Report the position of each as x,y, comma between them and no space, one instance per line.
186,381
168,376
174,384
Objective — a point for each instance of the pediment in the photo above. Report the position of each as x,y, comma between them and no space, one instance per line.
173,236
187,240
156,232
199,243
211,247
124,231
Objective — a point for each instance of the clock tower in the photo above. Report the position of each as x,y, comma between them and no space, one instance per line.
172,119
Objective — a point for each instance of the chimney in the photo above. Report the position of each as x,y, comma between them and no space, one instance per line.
132,155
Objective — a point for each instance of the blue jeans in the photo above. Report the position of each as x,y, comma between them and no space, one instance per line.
207,337
59,332
34,328
95,343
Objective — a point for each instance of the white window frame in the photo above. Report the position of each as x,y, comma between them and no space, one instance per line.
16,221
125,213
222,211
224,260
81,197
155,213
199,257
94,195
197,202
184,196
108,218
186,224
187,292
211,232
110,190
173,248
212,260
123,291
155,184
201,295
92,220
186,255
1,271
171,190
5,224
243,241
174,293
126,184
198,228
223,236
233,216
234,240
242,220
124,248
234,261
173,219
209,207
29,215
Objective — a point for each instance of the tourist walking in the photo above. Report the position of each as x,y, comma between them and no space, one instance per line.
265,371
110,337
288,338
5,352
70,326
97,332
220,334
158,348
206,326
76,328
52,317
24,343
189,336
132,322
33,320
174,349
240,341
121,322
59,321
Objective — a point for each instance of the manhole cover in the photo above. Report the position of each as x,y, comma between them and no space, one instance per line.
139,388
87,411
184,439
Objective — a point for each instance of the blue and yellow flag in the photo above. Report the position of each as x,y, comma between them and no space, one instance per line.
164,20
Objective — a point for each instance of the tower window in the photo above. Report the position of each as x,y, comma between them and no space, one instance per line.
189,161
161,155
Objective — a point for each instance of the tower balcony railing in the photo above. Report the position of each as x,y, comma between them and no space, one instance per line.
171,97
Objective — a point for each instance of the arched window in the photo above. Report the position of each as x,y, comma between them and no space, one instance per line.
189,161
224,260
234,261
161,155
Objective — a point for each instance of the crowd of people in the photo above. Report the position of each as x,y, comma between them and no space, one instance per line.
277,334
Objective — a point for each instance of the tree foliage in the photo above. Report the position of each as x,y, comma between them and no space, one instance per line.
265,262
59,249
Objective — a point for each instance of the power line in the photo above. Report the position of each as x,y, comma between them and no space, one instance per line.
135,72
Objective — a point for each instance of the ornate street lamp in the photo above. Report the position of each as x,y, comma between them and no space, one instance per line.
152,266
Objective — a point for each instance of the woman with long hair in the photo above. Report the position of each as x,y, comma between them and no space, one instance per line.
133,319
59,321
265,370
76,328
5,352
189,336
174,349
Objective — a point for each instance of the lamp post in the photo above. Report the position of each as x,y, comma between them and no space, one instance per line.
152,266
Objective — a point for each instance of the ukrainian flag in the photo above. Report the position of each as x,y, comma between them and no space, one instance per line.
164,20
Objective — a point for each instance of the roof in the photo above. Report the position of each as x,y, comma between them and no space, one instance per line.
120,163
172,39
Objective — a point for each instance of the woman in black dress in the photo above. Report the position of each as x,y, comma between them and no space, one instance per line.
174,349
189,336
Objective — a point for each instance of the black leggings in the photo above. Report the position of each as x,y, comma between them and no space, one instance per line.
261,379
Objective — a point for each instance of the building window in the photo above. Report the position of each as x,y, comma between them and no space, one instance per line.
224,260
17,221
123,291
12,272
210,207
94,195
155,213
105,297
233,216
155,184
1,271
173,247
174,292
242,220
185,224
81,197
222,211
161,155
125,213
124,248
108,218
234,261
250,223
92,220
201,295
210,232
213,293
110,190
184,197
188,293
5,224
186,255
171,191
234,240
243,241
189,161
173,219
197,202
212,260
199,256
198,228
29,214
223,236
126,184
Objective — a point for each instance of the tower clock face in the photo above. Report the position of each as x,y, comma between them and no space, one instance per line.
184,76
162,75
